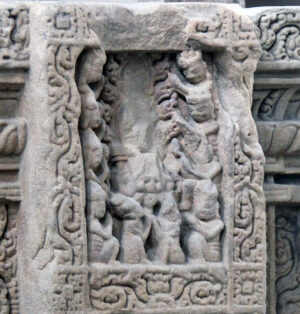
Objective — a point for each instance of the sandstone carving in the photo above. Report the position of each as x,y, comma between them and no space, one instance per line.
275,109
132,173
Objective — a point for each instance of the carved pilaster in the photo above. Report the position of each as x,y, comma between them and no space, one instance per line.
275,109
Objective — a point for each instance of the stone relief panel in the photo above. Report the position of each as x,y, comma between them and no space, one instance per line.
146,194
160,154
162,203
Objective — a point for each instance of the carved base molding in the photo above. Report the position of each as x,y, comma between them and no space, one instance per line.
158,288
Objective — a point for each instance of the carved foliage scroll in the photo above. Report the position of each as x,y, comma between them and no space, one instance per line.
287,259
66,237
14,34
279,35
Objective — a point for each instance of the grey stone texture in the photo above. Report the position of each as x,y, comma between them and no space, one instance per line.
131,172
276,111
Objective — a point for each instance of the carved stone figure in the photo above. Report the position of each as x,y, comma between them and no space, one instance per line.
103,247
90,71
140,186
95,154
135,228
203,224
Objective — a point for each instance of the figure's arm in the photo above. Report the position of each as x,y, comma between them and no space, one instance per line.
186,165
156,226
103,175
98,86
208,230
177,85
212,128
147,226
84,88
96,228
107,225
184,126
209,171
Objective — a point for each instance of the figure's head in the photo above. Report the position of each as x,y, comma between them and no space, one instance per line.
92,64
95,199
92,149
90,112
166,107
205,200
192,65
149,183
107,113
201,107
148,173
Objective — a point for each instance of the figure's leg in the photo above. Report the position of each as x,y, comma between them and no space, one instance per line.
110,250
132,250
212,253
141,250
186,201
115,251
162,252
175,254
195,245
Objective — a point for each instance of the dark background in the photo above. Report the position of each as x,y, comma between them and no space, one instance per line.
260,3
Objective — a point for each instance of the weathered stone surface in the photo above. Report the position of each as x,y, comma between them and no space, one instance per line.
132,173
276,111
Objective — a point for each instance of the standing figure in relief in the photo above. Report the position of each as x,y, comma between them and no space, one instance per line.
191,129
102,246
203,224
135,228
90,72
200,127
